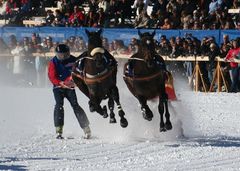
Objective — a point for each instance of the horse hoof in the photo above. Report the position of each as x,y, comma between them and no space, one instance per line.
162,130
112,120
123,122
105,114
121,113
168,125
147,114
92,109
148,118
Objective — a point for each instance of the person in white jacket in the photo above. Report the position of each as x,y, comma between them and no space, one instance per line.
104,4
18,60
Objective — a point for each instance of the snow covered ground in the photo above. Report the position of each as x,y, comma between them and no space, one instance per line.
205,135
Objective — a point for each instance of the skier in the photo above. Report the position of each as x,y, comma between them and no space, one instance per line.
59,73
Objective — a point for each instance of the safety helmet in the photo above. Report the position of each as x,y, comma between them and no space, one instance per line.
62,52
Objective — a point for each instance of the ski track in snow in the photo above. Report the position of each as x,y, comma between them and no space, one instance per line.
205,135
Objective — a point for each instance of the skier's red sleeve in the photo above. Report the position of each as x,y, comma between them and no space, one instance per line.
52,74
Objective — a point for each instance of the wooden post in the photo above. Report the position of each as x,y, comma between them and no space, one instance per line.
218,78
198,74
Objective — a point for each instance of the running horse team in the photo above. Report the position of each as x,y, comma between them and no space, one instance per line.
94,72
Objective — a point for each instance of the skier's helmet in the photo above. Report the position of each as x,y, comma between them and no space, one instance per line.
62,52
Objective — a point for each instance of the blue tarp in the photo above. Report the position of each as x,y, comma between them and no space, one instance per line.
60,33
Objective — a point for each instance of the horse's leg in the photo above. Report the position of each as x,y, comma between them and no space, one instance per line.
168,124
163,101
161,112
111,108
146,112
94,105
115,96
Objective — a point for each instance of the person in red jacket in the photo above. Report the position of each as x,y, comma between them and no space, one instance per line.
77,18
235,69
59,73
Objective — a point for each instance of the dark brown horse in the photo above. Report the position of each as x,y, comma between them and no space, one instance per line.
145,75
95,75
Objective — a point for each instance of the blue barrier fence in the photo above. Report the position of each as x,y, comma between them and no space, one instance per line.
60,33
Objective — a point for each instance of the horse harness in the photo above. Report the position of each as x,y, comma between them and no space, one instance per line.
147,78
92,79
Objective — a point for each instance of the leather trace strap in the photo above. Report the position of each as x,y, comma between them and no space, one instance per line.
94,80
143,78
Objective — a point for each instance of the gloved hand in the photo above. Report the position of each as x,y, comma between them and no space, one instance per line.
69,83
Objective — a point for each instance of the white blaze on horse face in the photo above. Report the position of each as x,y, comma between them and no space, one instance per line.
148,42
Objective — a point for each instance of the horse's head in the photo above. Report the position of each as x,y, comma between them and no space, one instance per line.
95,48
94,39
147,47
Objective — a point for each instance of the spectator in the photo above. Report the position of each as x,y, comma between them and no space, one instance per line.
236,4
159,5
92,19
4,61
93,5
105,43
119,47
139,5
77,18
114,12
226,41
175,48
125,10
213,6
164,48
35,39
104,4
18,62
49,44
189,6
186,20
71,43
167,24
211,66
80,44
175,19
235,69
142,20
58,23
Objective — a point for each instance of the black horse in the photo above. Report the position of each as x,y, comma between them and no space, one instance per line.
145,75
95,75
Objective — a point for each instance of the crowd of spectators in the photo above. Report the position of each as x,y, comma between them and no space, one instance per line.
159,14
162,14
173,47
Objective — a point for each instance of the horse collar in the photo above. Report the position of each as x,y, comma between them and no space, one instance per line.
97,75
97,50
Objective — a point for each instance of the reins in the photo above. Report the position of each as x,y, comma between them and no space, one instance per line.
93,80
143,78
138,59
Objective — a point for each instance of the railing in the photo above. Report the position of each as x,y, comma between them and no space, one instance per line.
234,11
196,77
3,22
59,34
